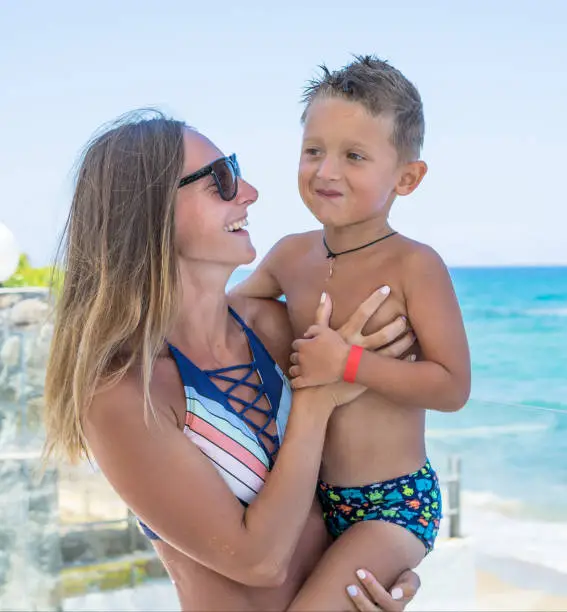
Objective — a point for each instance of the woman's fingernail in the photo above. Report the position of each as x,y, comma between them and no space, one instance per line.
397,593
361,574
323,297
352,590
384,290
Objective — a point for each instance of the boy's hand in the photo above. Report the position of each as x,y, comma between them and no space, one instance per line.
321,357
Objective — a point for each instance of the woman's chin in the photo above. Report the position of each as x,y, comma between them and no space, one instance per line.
251,256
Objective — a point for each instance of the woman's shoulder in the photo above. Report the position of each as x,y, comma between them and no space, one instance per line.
124,400
269,320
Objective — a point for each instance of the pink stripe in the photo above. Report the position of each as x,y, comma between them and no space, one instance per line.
209,432
239,474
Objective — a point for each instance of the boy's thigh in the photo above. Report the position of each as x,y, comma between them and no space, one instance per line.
383,548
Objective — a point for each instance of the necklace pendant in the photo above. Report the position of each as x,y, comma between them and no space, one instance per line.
331,266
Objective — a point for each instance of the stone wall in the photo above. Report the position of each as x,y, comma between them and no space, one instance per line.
30,554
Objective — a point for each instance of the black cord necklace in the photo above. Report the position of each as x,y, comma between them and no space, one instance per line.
332,255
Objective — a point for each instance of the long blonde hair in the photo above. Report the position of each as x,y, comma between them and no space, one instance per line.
120,274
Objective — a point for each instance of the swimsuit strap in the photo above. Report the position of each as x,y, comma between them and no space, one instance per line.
270,386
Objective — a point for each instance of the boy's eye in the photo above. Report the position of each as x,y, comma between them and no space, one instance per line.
354,156
311,151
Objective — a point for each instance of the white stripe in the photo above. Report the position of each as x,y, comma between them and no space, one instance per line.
219,456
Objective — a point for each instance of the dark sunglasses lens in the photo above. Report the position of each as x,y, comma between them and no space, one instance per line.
226,177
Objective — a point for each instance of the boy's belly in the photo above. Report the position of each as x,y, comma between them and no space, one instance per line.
371,440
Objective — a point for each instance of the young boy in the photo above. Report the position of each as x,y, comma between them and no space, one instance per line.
363,133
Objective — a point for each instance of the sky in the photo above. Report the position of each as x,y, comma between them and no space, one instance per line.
492,75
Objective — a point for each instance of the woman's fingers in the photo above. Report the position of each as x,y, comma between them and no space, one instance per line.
387,334
360,599
375,597
399,347
352,329
405,588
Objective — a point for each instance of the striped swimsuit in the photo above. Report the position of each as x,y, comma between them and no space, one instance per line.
229,438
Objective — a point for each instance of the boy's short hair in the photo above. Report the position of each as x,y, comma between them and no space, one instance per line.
382,90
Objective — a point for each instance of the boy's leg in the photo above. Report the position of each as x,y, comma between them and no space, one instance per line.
383,548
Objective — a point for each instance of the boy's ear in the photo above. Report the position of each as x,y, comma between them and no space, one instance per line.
411,176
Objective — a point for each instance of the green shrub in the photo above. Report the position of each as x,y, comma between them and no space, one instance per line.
26,276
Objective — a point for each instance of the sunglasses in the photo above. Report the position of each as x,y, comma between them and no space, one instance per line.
224,170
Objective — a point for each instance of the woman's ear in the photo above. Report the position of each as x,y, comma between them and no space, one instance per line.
411,176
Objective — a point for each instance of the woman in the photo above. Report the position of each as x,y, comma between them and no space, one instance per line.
178,397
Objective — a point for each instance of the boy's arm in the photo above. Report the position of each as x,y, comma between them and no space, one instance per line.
441,381
262,283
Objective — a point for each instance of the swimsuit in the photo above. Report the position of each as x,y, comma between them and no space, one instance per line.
232,441
412,501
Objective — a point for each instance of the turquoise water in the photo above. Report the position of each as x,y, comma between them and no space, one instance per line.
512,435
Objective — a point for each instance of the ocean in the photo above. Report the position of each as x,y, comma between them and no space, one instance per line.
512,434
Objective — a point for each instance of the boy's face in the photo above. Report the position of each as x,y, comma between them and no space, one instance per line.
348,171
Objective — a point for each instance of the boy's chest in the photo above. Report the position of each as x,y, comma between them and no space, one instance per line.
349,285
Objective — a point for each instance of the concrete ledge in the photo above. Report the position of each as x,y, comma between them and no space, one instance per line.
121,573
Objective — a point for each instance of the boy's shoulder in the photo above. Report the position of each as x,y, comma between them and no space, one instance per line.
415,252
303,240
420,259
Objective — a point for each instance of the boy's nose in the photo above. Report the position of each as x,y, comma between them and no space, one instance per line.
329,169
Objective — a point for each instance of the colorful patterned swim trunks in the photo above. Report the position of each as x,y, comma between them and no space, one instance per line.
412,501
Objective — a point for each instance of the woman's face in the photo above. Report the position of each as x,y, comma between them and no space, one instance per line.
206,226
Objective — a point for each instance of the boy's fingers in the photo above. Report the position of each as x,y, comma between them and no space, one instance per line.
295,371
297,383
312,331
297,344
294,358
361,315
323,314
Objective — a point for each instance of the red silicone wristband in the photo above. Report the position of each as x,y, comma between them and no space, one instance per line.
352,363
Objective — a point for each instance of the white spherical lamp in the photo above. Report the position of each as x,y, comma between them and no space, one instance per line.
9,253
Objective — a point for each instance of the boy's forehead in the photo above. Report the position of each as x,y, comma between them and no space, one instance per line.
336,116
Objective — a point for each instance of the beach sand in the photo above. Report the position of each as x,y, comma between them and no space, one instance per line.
495,594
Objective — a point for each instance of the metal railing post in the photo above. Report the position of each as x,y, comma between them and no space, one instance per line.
454,496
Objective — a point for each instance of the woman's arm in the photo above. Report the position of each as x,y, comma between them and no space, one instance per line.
166,480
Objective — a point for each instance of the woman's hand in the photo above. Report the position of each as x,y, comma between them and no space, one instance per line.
370,595
397,330
320,357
